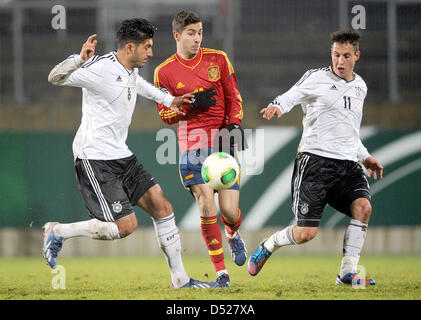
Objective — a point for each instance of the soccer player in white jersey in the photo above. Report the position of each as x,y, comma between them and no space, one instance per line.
326,169
109,176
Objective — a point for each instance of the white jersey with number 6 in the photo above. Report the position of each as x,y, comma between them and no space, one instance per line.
333,110
108,101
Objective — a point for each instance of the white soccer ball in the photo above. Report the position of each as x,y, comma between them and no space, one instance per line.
220,171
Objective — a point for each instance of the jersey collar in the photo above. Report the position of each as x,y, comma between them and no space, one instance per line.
191,64
119,63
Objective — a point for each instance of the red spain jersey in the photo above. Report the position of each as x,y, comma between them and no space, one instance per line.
210,68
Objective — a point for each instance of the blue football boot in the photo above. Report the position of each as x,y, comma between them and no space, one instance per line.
196,284
223,281
353,279
238,250
258,259
52,244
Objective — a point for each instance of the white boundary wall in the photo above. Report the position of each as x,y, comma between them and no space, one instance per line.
380,240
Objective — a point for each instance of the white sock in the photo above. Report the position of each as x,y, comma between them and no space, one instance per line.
94,229
169,241
348,264
353,243
280,239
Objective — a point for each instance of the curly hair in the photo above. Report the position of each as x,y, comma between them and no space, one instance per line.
347,36
134,30
183,18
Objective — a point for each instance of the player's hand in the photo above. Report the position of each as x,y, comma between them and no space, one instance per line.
204,98
271,111
88,48
230,136
237,136
373,166
178,102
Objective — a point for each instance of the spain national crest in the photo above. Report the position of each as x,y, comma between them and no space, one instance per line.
213,73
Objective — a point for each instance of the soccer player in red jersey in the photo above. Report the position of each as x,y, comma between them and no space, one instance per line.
217,105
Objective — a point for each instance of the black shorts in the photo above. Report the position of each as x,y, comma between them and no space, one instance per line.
318,181
111,188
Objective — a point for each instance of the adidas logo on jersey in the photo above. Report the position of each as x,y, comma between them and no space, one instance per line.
118,79
333,88
180,85
213,242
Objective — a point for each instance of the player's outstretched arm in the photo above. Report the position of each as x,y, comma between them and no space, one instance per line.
271,111
63,70
178,102
373,166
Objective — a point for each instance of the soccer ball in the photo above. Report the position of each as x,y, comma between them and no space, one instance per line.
220,171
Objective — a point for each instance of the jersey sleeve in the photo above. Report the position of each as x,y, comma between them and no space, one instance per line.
147,90
72,72
362,152
301,93
233,100
166,114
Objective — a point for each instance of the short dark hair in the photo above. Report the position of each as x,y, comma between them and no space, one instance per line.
183,18
134,30
347,36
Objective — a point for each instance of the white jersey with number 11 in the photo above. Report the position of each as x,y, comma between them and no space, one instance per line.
333,109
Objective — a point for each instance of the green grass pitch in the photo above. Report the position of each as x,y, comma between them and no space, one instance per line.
147,278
